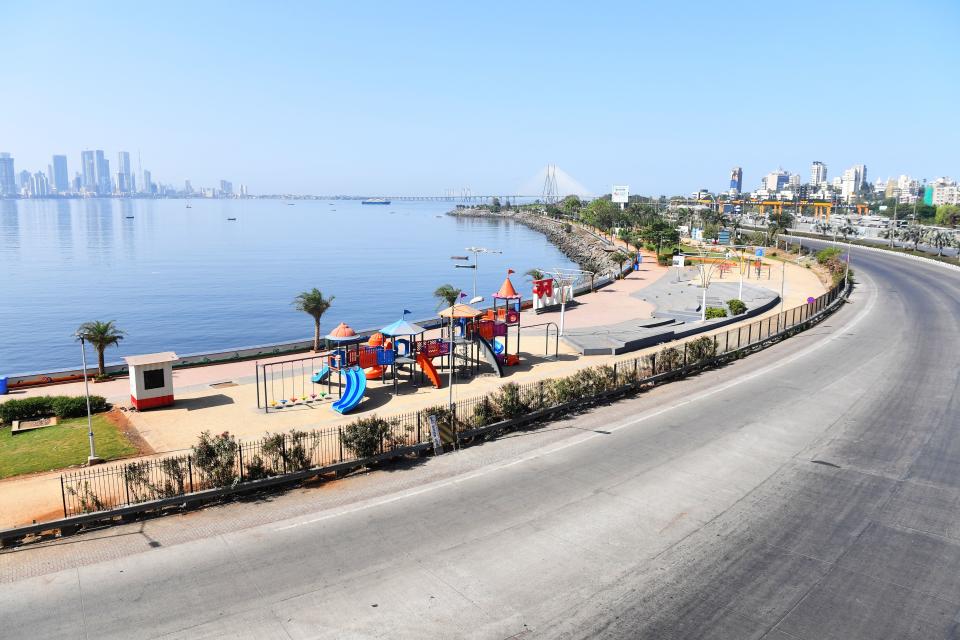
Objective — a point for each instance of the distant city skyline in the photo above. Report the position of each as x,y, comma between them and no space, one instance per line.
409,99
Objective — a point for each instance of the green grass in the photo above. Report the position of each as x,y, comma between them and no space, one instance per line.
60,446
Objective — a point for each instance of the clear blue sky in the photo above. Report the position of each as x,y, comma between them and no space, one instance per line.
416,97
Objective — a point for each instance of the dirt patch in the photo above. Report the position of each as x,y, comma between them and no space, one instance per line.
120,419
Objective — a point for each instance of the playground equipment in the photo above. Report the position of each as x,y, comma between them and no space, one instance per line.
549,294
356,384
493,329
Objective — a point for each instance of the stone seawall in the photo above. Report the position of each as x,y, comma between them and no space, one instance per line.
587,250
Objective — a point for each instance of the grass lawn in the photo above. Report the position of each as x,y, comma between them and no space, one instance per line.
60,446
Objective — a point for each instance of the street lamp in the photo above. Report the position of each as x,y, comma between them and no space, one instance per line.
476,251
92,459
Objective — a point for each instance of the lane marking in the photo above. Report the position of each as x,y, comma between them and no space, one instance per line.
543,452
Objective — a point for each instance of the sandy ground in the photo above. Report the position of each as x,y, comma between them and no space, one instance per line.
233,408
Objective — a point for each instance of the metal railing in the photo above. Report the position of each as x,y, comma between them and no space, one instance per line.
296,454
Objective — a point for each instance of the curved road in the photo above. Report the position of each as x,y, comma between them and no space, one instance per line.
808,491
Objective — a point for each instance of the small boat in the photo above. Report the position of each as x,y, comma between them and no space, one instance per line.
129,217
232,219
290,204
188,206
375,201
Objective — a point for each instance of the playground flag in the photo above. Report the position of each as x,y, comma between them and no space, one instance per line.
406,311
509,271
463,295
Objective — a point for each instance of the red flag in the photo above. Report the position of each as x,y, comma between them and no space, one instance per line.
509,271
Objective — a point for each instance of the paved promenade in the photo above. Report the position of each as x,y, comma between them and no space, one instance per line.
233,408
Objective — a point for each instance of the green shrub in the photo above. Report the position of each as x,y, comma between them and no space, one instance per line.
485,413
716,312
216,457
702,348
45,406
365,436
668,359
561,390
826,254
737,307
665,259
508,402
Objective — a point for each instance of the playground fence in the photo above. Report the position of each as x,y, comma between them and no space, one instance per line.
299,454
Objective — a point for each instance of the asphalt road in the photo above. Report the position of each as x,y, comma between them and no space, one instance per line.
808,491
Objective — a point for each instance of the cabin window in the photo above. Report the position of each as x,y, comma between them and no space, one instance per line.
153,379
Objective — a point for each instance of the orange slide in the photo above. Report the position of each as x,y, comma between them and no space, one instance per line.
427,365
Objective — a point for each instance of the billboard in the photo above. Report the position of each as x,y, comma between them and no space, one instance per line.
621,194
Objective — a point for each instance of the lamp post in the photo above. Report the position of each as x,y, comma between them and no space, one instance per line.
92,459
476,251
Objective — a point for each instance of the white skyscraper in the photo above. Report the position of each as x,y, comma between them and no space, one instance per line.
853,181
818,173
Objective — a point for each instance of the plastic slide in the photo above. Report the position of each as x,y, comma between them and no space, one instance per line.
497,347
356,384
320,376
427,365
490,356
374,373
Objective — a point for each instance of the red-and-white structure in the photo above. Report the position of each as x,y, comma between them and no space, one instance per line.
550,293
151,380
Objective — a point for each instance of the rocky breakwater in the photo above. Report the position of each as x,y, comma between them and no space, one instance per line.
587,250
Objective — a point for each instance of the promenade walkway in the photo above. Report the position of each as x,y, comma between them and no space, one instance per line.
199,406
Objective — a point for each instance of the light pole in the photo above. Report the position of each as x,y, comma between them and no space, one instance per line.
93,459
476,251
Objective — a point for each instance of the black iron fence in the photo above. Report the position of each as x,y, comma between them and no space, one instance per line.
224,463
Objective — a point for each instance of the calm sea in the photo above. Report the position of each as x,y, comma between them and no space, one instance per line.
190,280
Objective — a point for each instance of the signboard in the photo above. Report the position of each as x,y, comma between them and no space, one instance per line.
435,436
723,237
621,194
678,261
759,252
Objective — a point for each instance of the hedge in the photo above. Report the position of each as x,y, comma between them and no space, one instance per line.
46,406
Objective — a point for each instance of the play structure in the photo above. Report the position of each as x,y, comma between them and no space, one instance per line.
465,339
549,294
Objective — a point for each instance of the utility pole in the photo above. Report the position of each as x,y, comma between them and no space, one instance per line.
92,459
893,227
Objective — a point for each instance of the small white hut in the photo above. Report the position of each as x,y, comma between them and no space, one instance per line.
151,379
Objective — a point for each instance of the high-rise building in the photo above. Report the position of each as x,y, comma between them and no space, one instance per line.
852,181
88,166
60,179
736,181
187,187
818,173
226,188
8,180
104,179
77,183
243,191
776,180
794,180
123,172
39,185
147,186
24,180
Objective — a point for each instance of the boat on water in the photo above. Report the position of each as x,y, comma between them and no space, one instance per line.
375,201
231,219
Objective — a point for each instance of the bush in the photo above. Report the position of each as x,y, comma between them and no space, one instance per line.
824,255
365,436
702,348
668,359
216,457
737,307
716,312
45,406
665,259
508,402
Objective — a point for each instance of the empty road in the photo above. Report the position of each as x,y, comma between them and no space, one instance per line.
810,491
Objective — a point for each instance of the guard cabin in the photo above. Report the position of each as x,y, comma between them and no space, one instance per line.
151,379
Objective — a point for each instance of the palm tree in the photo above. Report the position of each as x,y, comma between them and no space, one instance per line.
447,294
534,274
313,303
621,257
101,335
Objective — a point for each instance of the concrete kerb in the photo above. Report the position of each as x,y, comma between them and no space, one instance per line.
73,524
906,256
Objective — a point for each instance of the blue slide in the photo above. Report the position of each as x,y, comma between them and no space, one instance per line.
353,390
320,376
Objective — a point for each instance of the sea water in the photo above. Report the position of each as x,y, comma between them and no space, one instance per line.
190,280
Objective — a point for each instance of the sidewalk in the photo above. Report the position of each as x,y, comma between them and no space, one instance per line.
234,408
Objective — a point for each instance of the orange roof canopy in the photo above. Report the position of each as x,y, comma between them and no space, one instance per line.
458,311
506,290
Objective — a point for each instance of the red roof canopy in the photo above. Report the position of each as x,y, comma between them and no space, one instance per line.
506,290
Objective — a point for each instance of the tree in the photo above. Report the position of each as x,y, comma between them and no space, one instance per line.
447,294
780,223
939,239
621,258
660,232
534,274
846,230
948,215
600,213
571,205
313,303
911,233
101,335
495,206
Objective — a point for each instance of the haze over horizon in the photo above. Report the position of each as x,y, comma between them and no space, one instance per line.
388,99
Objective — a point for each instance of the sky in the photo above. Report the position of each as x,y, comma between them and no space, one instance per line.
394,98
